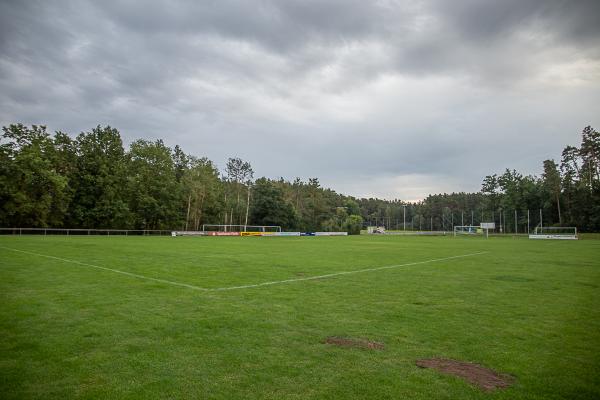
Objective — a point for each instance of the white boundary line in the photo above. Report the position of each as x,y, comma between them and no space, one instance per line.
346,272
108,269
246,286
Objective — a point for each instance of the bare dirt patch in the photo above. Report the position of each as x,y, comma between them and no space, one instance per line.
350,342
475,374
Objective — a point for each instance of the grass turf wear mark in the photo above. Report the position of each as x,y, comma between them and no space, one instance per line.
478,375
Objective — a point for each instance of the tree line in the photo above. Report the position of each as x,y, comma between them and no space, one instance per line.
92,181
567,193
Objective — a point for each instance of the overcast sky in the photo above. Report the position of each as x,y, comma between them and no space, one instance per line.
394,99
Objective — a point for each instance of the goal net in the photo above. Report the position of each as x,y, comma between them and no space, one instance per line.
467,230
554,232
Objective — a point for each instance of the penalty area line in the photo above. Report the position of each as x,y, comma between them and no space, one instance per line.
109,269
308,278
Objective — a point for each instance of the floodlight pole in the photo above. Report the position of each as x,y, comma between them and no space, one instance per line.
541,220
590,164
471,217
247,208
462,218
500,216
404,205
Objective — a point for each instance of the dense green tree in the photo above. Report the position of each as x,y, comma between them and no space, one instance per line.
336,222
34,192
590,154
99,181
181,162
353,224
552,187
155,195
92,181
316,208
341,221
202,189
239,176
269,206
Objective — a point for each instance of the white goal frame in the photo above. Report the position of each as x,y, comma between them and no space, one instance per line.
554,233
240,228
467,230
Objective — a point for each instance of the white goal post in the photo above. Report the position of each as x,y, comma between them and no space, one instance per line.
554,232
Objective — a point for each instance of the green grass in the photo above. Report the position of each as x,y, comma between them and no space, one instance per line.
527,308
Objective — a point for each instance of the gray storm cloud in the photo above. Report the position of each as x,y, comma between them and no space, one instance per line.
385,98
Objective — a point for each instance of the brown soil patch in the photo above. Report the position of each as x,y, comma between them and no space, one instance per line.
475,374
348,342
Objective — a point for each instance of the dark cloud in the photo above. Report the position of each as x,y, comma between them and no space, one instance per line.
358,93
490,22
279,26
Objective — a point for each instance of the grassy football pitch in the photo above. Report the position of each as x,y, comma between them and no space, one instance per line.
245,318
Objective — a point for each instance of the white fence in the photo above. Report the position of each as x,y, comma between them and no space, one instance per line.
84,232
267,234
149,232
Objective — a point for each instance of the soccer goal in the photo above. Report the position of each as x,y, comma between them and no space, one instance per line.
240,228
467,230
554,232
376,230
